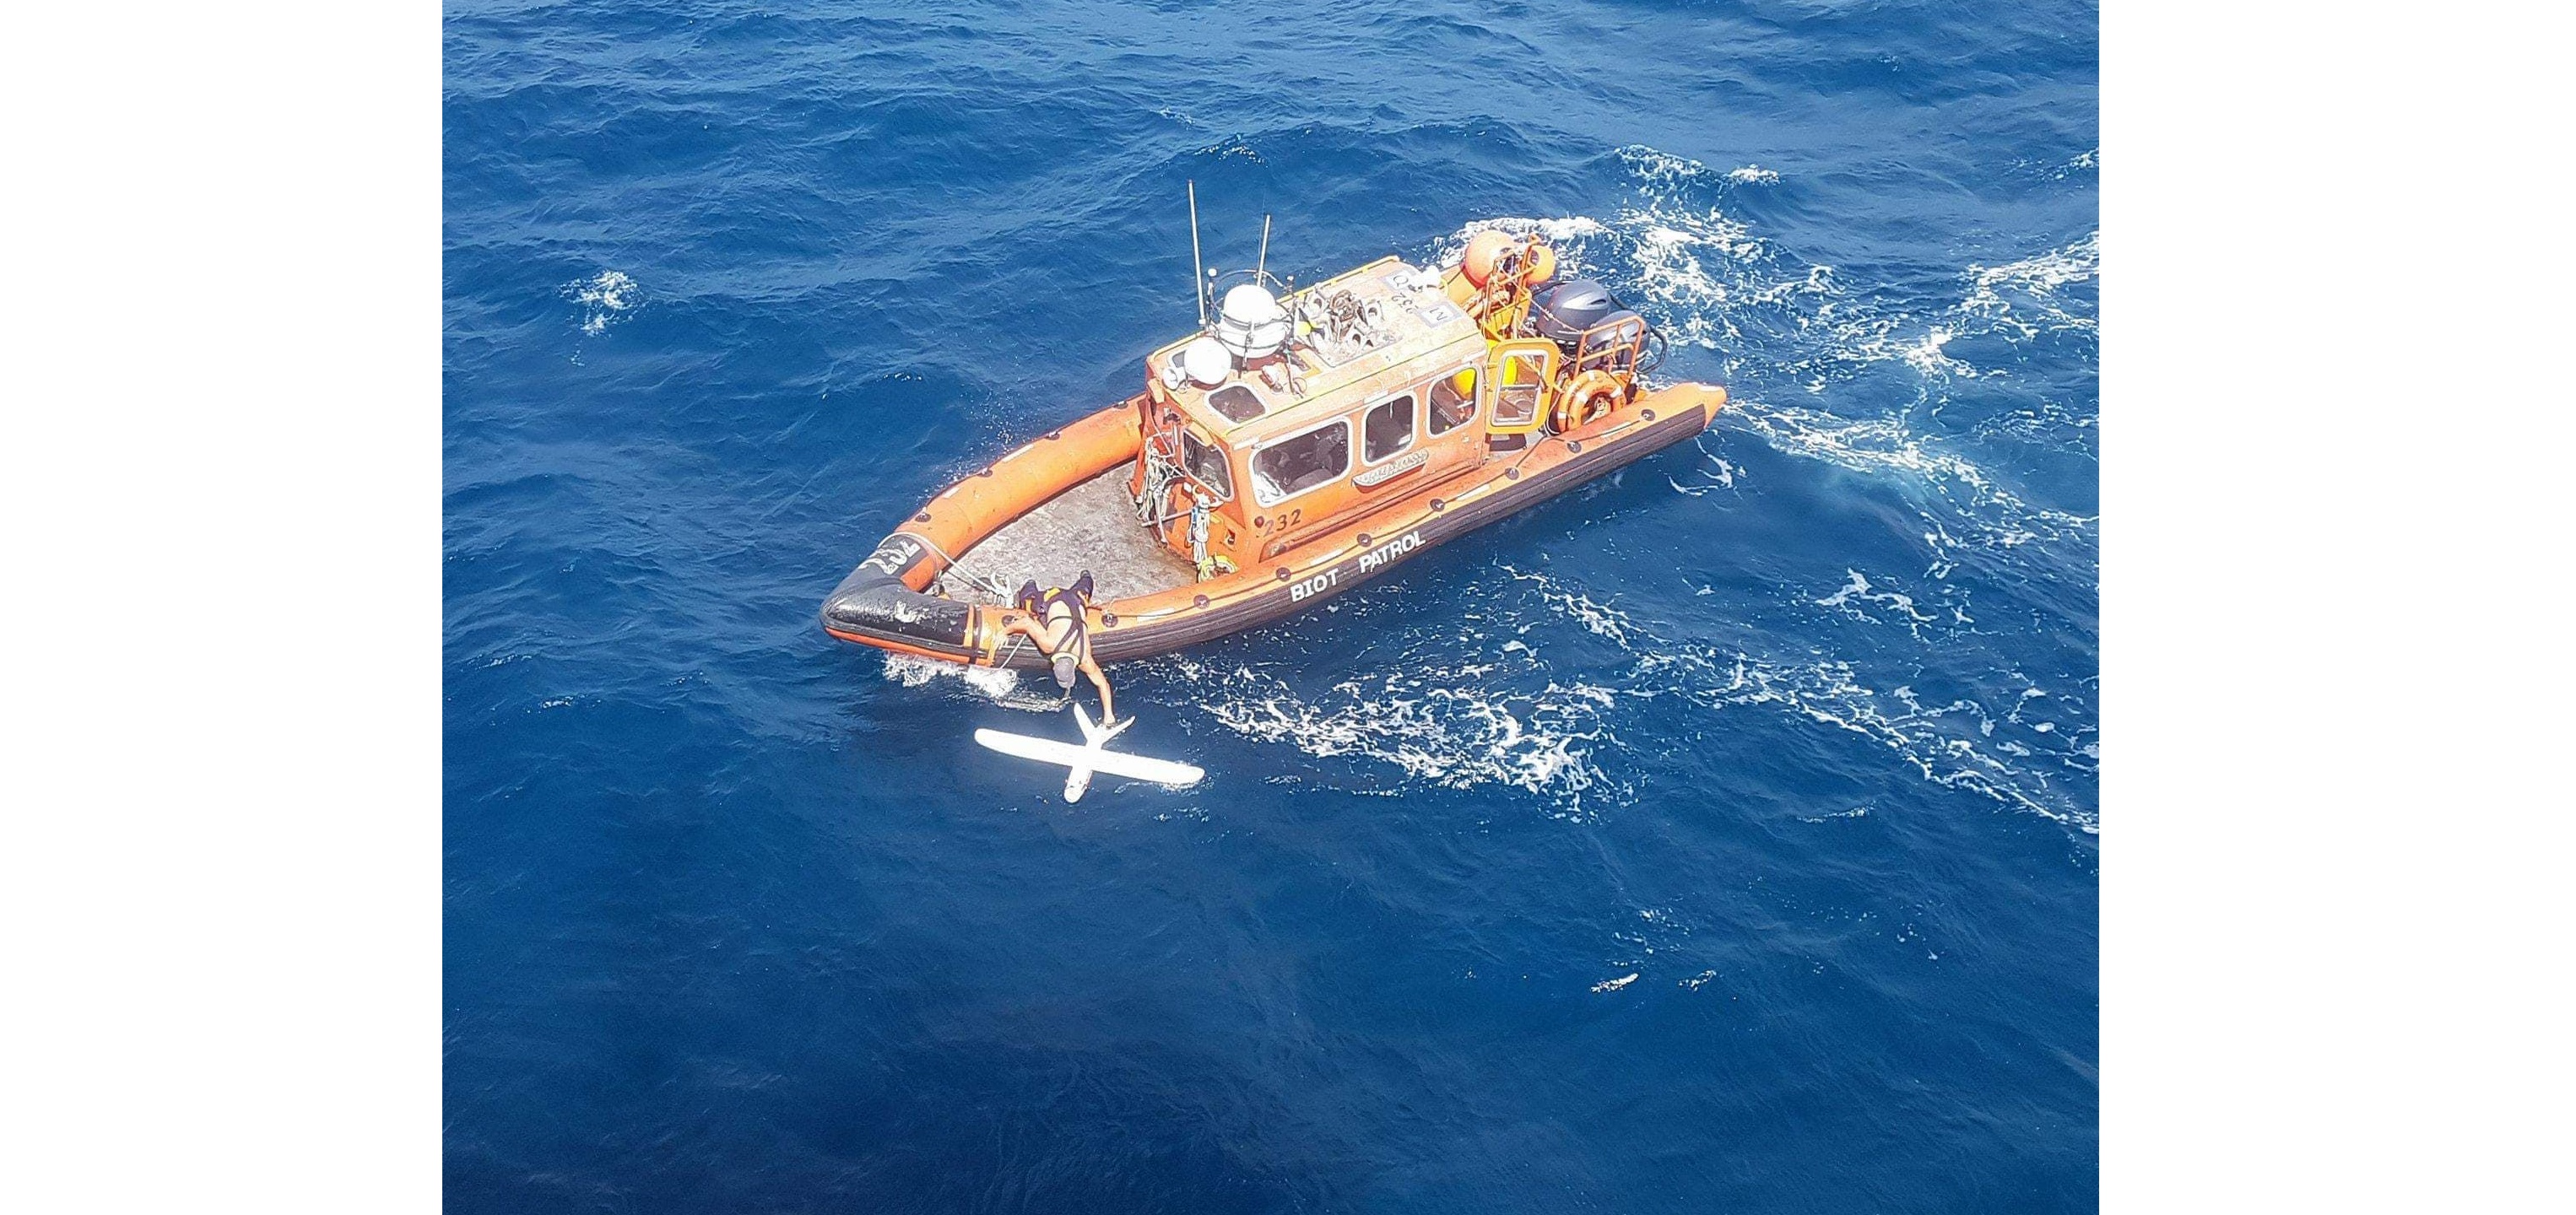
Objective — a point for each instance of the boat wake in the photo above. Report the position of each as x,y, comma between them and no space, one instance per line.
1785,329
998,685
1972,503
1430,726
1488,706
1700,274
2025,298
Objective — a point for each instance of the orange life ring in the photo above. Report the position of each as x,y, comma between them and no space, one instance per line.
1591,395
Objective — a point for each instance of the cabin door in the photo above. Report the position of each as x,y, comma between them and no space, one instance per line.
1517,384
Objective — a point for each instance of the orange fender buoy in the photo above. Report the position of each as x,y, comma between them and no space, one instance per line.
1542,264
1483,250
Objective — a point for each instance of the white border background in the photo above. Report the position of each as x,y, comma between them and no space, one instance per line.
2333,596
2333,292
221,861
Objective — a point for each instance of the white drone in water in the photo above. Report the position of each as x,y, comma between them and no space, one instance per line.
1090,757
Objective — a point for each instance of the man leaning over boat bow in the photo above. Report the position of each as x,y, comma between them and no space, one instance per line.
1056,619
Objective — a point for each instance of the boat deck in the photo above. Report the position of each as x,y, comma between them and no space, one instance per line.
1091,526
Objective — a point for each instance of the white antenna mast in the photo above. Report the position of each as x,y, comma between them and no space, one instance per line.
1198,283
1264,263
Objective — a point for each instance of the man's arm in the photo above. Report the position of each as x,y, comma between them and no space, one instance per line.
1108,710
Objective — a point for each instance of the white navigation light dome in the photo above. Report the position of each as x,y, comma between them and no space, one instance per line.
1251,324
1205,361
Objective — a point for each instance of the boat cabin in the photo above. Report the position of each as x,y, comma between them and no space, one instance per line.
1287,419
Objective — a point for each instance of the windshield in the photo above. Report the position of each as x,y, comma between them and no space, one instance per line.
1206,465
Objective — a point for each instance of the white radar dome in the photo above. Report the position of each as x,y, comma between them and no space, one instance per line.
1205,361
1251,324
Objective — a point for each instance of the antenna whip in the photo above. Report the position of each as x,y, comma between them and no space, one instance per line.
1198,284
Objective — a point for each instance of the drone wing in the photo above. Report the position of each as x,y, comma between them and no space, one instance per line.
1091,758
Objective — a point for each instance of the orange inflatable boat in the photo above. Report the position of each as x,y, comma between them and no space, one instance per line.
1303,442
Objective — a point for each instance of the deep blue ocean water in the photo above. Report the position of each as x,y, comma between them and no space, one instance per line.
1717,838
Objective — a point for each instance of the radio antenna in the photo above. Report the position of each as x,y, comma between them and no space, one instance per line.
1198,284
1264,263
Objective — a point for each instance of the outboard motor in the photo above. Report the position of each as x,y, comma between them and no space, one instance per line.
1563,314
1625,327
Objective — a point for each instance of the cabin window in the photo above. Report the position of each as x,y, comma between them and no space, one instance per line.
1453,401
1236,402
1285,468
1387,428
1206,465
